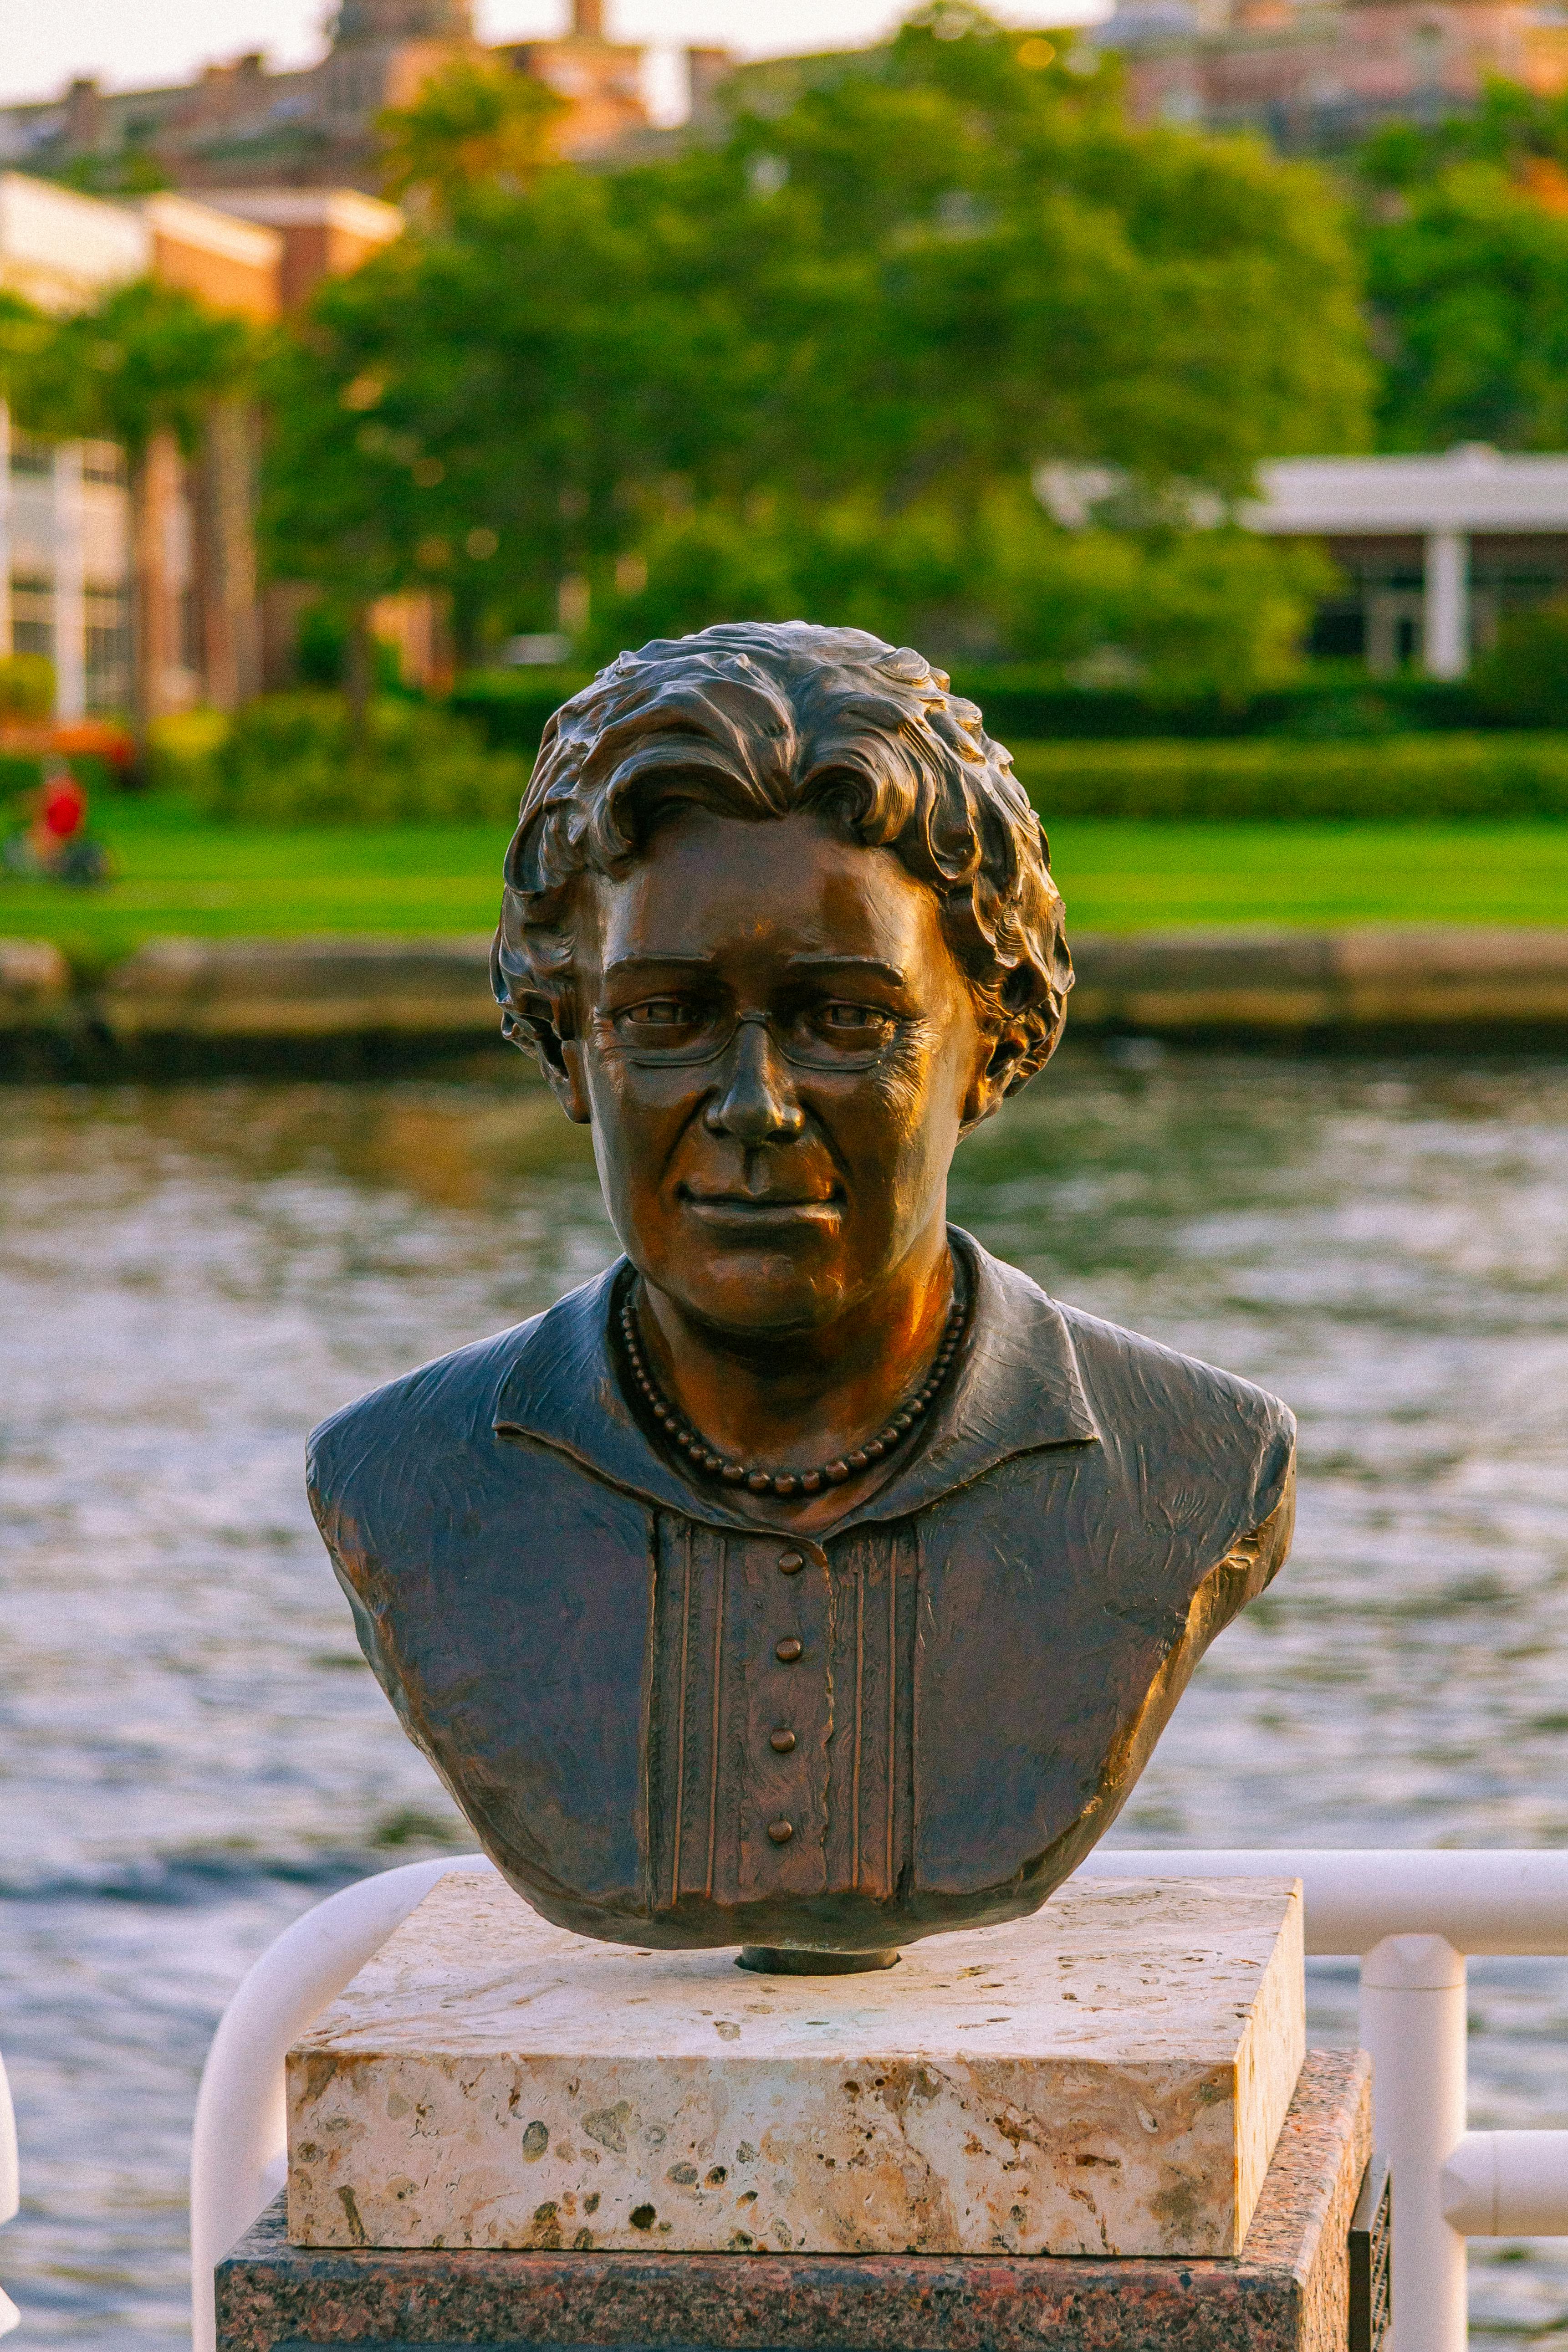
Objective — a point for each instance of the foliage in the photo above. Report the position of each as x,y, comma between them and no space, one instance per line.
1515,127
478,124
289,760
321,651
1464,231
183,747
1188,609
1032,702
1406,779
26,335
146,358
1468,281
342,505
813,368
18,774
1523,680
26,685
512,708
131,169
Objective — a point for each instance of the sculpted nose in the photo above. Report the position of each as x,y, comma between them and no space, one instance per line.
756,1102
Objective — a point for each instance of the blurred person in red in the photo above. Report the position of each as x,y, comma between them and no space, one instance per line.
60,817
55,841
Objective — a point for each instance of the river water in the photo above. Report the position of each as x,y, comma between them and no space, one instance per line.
193,1753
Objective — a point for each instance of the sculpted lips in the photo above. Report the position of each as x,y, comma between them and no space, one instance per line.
755,1210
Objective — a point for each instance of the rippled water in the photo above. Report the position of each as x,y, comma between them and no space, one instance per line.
193,1751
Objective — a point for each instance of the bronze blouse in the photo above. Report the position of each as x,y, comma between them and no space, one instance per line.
600,1659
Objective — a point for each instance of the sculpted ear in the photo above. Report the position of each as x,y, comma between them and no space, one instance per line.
551,1027
1003,1049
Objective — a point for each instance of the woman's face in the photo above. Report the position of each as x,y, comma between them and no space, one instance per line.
777,1053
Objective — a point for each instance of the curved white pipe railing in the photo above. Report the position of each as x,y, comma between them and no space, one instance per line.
1511,1901
10,2189
1410,1918
238,2150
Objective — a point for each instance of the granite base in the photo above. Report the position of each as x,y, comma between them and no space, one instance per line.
1288,2290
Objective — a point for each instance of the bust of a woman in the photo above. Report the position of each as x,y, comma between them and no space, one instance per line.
811,1582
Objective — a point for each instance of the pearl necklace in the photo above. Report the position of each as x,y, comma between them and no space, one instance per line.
702,1457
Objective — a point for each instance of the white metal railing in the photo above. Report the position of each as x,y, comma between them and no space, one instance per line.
1410,1918
239,2147
9,2196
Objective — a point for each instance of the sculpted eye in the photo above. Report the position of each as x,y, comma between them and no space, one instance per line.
859,1021
658,1013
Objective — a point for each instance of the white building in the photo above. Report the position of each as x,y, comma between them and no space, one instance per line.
72,585
67,568
1433,550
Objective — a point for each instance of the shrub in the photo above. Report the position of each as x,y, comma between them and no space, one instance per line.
1403,778
289,758
1034,705
183,746
511,707
1523,681
18,774
26,685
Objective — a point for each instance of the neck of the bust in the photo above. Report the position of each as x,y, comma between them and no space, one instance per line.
794,1401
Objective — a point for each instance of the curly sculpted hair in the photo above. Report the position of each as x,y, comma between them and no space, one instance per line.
756,719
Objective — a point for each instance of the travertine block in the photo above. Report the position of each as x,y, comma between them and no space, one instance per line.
1107,2078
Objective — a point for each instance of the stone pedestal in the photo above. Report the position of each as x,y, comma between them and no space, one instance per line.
1107,2078
1288,2290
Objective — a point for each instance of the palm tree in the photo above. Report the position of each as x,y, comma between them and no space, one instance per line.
148,367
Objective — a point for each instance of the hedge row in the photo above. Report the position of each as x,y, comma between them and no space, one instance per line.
1403,779
1024,706
510,707
289,760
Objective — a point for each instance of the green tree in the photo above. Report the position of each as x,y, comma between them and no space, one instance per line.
347,500
1467,278
477,124
1192,608
816,354
1513,128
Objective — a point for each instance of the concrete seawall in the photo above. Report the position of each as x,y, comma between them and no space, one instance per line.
310,1003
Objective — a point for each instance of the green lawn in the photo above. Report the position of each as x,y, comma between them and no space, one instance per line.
174,874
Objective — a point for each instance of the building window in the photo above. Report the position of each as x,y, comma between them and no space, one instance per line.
32,614
103,461
107,617
32,456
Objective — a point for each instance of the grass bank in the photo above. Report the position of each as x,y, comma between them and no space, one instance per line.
175,873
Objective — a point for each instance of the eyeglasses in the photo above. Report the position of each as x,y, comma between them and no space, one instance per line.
666,1031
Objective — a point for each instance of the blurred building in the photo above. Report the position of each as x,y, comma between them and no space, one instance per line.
1315,75
1431,550
76,577
241,125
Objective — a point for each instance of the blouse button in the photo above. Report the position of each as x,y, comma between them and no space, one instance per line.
789,1651
780,1832
781,1741
791,1563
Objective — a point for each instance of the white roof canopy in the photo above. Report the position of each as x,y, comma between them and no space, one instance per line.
1471,488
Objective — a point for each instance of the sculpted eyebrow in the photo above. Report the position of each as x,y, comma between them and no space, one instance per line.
633,967
848,963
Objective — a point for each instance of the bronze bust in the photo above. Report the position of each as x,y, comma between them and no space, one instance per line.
811,1582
